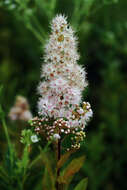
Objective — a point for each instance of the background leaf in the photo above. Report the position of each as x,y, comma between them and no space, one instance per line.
82,185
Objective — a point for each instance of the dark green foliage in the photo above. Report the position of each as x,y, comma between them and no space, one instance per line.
101,26
82,184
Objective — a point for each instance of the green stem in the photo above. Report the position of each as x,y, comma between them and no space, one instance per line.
6,132
38,36
29,26
20,184
8,140
39,26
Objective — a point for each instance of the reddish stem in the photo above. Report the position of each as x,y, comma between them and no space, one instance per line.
58,158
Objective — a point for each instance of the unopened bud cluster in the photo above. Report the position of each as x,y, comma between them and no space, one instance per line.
49,126
77,139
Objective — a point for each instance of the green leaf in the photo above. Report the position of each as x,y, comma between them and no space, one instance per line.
10,160
46,159
71,169
82,185
23,163
46,181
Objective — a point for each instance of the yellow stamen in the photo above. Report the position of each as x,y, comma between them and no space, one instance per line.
61,38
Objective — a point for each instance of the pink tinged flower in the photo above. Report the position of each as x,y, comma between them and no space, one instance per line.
65,79
80,111
26,115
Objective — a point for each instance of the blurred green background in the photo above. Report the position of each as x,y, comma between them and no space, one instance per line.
101,26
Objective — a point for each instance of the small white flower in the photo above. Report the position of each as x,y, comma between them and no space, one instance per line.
56,136
34,138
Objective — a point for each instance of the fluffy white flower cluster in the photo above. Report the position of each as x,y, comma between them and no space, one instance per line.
63,79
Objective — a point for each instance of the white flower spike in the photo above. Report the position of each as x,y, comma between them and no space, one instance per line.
63,82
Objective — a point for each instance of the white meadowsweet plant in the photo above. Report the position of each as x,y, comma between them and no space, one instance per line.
61,112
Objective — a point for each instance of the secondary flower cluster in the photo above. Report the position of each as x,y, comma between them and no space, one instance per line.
20,110
61,86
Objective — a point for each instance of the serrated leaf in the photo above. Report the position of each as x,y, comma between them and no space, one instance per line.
82,185
23,163
64,158
71,169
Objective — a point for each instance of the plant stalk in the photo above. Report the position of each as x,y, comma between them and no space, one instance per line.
8,140
58,158
6,132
